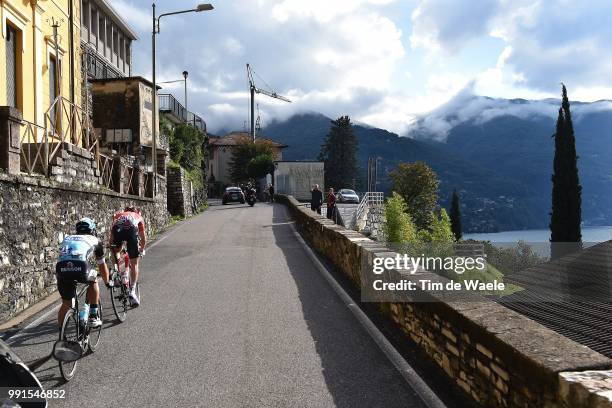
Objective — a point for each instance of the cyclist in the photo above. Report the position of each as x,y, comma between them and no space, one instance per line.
129,227
79,254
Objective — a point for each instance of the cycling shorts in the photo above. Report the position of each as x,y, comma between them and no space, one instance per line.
129,235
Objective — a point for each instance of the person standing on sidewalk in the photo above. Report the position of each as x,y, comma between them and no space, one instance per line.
331,203
316,199
271,192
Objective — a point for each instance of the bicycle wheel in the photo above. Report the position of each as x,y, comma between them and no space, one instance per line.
119,298
96,332
69,332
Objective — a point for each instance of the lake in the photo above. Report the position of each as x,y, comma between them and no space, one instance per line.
589,234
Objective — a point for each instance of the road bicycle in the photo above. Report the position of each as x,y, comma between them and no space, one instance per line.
120,288
76,337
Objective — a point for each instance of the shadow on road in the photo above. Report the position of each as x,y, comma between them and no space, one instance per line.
356,372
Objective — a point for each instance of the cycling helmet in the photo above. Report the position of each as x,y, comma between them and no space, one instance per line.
86,226
130,208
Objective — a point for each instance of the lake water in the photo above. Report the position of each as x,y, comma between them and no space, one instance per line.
589,234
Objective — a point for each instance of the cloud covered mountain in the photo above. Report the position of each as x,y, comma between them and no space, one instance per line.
497,153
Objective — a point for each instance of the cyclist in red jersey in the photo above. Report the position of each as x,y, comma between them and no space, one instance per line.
129,227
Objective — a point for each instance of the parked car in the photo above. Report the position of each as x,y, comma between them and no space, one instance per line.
346,195
233,195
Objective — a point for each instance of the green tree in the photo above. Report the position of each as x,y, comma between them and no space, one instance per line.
455,216
566,191
339,152
259,166
418,184
398,227
248,159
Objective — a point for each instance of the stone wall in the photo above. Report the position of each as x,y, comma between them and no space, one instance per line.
495,355
36,213
183,198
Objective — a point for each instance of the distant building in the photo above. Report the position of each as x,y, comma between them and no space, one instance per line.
220,155
296,178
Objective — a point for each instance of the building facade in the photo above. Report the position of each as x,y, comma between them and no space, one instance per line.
106,41
35,70
220,156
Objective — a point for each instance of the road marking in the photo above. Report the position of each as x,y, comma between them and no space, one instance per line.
412,378
36,322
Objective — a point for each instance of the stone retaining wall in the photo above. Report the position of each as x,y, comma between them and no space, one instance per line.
495,355
35,215
183,199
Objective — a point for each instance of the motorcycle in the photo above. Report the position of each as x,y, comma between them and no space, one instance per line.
250,196
19,387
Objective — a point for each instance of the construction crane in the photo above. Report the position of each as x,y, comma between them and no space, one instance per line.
254,89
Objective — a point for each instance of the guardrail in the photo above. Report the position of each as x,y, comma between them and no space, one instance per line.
169,104
370,199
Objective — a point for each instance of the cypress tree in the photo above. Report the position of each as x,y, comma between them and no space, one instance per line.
339,152
455,216
566,192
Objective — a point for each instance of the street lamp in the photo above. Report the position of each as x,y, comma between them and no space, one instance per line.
156,19
185,75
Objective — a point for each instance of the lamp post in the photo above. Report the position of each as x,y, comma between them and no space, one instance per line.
185,75
156,19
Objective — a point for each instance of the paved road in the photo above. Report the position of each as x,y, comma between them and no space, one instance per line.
234,314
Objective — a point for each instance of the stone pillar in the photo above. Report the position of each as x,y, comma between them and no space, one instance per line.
118,175
10,143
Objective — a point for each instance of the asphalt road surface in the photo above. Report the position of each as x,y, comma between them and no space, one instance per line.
233,314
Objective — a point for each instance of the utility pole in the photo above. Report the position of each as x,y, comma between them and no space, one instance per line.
154,113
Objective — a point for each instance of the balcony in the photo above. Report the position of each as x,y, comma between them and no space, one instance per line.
98,67
178,114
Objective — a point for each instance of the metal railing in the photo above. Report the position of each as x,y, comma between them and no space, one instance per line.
106,167
370,199
33,154
64,123
169,104
97,67
130,180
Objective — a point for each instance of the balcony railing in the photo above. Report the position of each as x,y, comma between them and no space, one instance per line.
97,67
168,104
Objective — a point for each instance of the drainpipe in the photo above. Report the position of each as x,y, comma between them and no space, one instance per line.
71,45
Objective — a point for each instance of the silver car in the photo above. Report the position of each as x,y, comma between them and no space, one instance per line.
347,196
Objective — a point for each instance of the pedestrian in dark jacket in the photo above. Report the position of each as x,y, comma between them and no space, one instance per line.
331,204
316,199
271,192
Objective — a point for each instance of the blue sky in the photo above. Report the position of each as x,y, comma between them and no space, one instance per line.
383,62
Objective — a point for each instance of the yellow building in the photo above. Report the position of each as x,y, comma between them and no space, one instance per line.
28,60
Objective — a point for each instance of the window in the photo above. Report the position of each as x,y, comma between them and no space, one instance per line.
53,86
128,53
12,65
94,26
85,14
102,31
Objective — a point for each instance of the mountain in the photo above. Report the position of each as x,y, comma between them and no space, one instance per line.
496,152
480,188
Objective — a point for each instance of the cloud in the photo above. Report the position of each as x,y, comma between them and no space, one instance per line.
465,106
545,41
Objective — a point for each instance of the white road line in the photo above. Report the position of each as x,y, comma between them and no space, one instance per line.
412,378
46,314
35,322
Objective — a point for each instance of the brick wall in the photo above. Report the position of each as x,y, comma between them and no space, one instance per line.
495,355
35,215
